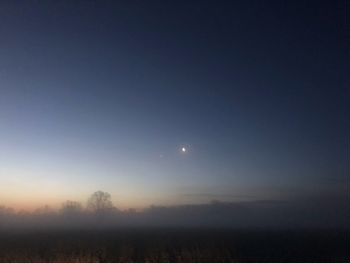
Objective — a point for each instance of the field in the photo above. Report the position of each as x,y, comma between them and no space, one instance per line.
173,245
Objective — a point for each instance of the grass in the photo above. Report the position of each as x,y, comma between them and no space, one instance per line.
172,246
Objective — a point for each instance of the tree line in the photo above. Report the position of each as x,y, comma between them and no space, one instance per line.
99,202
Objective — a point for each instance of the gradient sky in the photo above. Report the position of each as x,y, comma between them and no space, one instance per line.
103,95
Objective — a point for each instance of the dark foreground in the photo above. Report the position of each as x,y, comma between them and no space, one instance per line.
174,245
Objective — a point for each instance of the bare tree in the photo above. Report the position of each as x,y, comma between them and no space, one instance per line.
100,202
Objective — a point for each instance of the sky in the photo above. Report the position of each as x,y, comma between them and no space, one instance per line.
103,95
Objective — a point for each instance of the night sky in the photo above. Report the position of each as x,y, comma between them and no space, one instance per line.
104,95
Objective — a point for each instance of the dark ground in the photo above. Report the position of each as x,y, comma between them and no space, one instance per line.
174,245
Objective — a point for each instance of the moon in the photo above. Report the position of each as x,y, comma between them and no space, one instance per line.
183,149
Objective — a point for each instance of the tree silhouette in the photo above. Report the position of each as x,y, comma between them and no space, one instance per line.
100,202
71,208
44,210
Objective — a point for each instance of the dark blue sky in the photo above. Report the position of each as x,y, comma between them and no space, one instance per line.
103,95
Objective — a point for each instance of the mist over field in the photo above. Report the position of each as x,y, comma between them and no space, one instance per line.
101,213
